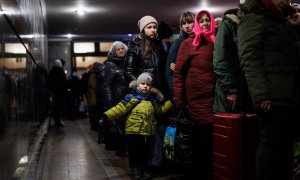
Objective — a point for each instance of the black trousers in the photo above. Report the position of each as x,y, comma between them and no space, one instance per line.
138,151
278,130
57,108
202,151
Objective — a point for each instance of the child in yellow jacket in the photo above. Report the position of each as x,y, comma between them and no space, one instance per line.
142,105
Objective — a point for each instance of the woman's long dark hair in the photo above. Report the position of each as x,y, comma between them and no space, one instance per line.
147,45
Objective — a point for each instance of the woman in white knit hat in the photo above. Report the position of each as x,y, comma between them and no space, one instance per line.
146,54
115,87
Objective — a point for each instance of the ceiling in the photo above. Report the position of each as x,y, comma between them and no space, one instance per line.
120,17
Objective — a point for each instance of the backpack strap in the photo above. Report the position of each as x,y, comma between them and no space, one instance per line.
148,98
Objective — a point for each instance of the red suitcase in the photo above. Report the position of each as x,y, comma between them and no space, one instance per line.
234,146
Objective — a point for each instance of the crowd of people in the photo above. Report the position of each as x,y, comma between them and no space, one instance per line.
248,62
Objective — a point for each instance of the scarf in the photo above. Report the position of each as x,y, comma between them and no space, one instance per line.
210,35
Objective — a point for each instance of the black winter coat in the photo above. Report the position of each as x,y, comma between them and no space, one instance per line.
57,82
135,64
115,86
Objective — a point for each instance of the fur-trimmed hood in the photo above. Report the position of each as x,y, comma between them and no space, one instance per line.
234,18
233,15
155,91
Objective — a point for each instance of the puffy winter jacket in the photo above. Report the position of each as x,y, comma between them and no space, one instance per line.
115,86
141,111
194,80
135,64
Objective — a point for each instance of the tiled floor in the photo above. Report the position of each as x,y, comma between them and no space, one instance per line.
72,153
15,143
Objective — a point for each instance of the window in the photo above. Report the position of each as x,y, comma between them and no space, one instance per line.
84,47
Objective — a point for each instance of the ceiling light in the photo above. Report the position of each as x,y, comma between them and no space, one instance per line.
8,12
80,12
69,36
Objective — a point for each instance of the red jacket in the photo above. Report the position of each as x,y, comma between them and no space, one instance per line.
194,80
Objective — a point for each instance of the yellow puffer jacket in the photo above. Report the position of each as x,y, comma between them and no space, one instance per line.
141,112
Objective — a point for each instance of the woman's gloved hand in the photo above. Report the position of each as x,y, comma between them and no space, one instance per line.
102,122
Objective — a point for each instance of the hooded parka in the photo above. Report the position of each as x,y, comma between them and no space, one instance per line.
270,57
230,79
115,86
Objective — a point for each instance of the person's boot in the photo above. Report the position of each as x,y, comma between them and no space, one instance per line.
146,173
58,124
136,173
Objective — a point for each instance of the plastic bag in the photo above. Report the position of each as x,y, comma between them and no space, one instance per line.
169,140
182,140
296,162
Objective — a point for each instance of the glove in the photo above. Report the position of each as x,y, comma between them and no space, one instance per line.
103,120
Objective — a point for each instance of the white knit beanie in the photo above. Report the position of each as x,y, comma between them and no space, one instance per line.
144,78
58,63
116,45
144,21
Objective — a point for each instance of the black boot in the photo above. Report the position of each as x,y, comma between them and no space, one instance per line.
147,174
136,173
58,123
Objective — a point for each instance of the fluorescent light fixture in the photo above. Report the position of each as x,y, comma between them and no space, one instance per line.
69,36
80,12
212,10
30,36
8,12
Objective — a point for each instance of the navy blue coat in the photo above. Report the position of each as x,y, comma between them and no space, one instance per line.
172,58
